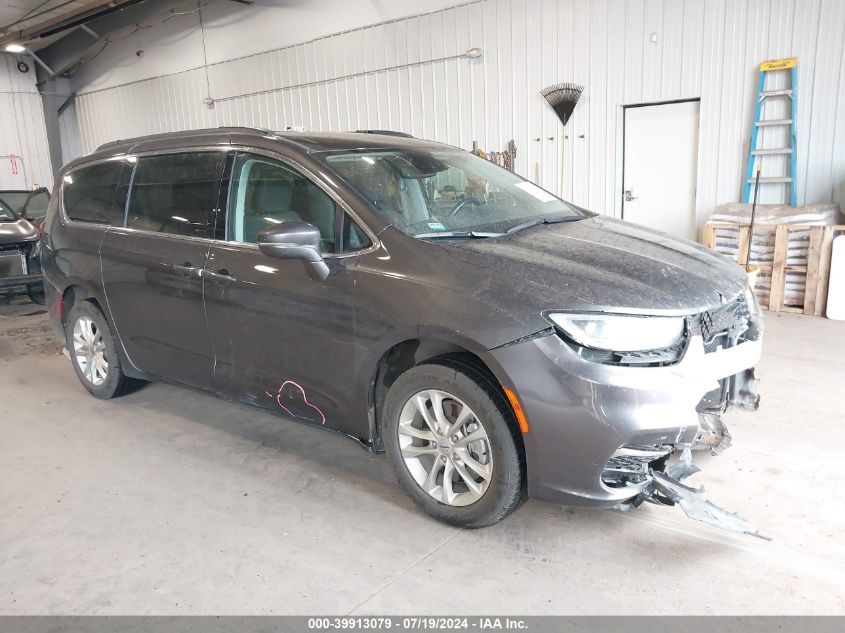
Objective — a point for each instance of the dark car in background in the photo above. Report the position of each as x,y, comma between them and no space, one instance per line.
21,219
496,341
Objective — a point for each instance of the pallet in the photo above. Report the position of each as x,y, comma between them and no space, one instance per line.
796,283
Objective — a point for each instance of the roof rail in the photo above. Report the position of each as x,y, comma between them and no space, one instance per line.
184,133
385,132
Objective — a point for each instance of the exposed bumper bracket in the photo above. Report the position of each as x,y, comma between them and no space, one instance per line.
741,391
696,507
666,488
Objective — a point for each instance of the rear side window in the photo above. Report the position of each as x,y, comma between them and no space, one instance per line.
176,193
97,193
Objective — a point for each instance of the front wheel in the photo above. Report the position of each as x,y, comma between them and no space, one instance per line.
447,435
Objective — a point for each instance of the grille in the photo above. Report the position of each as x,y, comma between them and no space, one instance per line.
722,326
25,248
724,318
12,263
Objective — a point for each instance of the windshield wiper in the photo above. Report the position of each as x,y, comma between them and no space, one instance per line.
530,223
459,234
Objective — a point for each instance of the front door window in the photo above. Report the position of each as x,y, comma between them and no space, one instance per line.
266,192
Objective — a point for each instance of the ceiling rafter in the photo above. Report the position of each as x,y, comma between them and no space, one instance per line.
74,16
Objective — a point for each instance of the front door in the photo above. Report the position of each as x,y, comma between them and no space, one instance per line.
283,340
661,157
152,266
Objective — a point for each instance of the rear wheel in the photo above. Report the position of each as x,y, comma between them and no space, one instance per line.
447,435
93,352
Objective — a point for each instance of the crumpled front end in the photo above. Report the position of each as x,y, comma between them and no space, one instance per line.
664,486
735,324
724,328
602,428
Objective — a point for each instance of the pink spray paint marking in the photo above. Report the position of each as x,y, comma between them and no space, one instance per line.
278,398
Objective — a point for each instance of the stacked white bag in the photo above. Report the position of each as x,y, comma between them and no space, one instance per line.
763,240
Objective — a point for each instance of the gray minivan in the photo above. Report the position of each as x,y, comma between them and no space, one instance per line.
494,340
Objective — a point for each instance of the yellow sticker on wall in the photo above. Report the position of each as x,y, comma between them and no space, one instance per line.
779,64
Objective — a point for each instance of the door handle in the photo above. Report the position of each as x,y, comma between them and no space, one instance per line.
186,270
220,276
629,195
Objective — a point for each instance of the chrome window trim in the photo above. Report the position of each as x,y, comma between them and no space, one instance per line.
125,230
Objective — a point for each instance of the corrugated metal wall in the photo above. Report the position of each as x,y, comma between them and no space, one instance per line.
407,75
22,130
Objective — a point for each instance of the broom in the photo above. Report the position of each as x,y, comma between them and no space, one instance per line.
562,98
750,270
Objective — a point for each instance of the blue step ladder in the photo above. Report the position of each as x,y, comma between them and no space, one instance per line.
789,65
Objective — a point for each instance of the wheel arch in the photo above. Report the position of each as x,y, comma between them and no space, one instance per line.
72,294
75,292
443,348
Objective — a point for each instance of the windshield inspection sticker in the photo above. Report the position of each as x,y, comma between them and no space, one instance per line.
541,194
436,226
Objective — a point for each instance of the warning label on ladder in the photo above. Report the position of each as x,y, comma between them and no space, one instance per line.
779,64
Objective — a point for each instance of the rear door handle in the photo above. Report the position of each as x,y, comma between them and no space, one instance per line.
220,276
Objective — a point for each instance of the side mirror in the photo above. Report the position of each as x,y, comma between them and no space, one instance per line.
295,240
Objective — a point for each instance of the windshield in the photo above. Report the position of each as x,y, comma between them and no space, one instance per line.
14,199
442,192
6,212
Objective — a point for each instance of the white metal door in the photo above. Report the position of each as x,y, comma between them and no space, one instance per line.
661,153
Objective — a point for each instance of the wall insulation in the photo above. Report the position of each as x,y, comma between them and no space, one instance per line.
24,154
408,74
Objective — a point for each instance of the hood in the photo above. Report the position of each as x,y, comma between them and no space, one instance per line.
608,265
20,230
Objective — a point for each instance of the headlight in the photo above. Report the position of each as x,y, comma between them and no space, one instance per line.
621,333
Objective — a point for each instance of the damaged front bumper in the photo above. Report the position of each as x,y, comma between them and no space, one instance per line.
600,434
665,487
741,391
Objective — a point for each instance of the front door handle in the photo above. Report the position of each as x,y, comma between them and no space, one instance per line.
186,270
629,195
220,276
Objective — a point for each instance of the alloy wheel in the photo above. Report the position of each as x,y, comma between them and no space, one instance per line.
445,447
89,351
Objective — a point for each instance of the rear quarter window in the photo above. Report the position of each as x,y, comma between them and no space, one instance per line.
97,193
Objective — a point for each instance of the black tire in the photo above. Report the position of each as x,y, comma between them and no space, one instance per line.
116,383
506,488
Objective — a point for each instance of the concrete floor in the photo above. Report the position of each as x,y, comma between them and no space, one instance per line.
169,501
